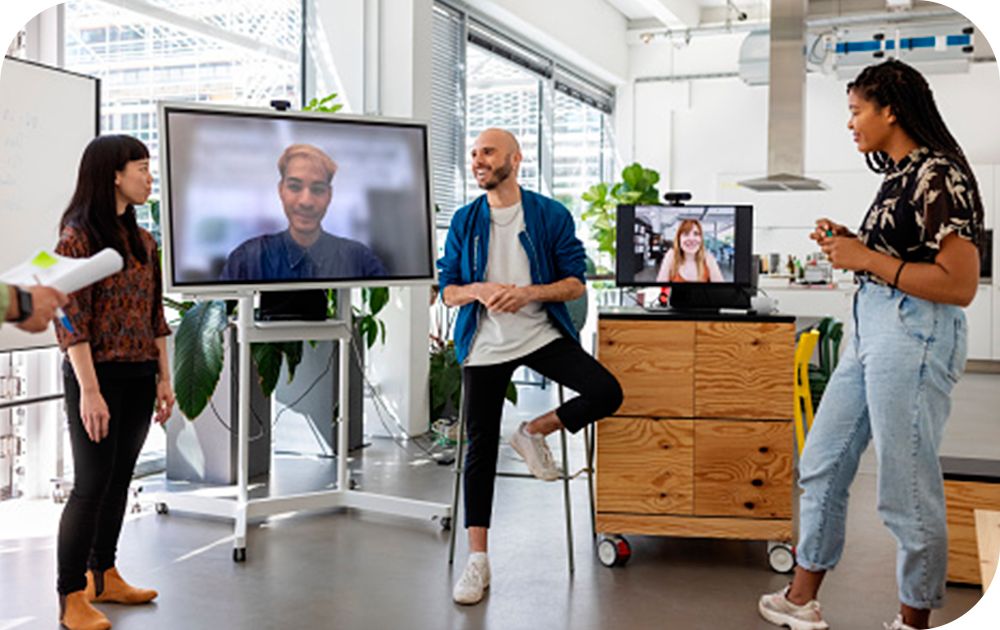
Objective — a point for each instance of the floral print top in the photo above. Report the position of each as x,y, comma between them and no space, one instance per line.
120,316
923,199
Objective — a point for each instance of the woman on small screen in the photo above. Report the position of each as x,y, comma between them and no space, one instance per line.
687,260
116,374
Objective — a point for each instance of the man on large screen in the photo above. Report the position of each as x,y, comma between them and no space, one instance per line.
304,251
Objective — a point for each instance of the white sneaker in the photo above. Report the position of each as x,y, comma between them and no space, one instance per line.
778,610
536,454
475,579
897,624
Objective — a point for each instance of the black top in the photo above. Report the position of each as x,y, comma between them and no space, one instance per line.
922,199
279,257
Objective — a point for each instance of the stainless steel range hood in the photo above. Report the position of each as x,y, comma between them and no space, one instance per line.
786,102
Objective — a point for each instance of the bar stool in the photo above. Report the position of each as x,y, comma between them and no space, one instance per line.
578,314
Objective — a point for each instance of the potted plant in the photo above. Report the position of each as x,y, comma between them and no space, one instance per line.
637,186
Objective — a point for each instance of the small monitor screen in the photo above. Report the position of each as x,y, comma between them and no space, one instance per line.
261,199
665,245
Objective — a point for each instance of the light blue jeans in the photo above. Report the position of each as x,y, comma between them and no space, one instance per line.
893,386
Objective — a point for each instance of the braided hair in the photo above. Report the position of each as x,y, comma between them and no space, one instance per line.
898,85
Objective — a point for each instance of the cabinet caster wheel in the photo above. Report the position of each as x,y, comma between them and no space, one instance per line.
240,554
446,523
613,551
781,557
353,484
161,508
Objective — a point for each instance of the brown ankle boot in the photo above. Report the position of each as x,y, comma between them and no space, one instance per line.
76,613
110,587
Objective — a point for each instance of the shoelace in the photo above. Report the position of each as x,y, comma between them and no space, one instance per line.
546,457
472,576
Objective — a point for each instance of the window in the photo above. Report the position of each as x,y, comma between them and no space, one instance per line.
246,52
561,119
502,94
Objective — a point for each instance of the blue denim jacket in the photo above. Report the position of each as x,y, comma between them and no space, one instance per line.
549,238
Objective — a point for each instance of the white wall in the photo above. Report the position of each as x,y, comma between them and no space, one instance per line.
401,73
589,34
706,135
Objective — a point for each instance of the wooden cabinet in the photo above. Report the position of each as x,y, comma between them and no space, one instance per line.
702,445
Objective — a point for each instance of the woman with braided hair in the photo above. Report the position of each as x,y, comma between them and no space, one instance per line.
916,260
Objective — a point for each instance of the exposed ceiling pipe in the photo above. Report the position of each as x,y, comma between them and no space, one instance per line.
721,28
786,103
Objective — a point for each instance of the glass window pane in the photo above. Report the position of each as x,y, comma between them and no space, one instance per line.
501,94
246,52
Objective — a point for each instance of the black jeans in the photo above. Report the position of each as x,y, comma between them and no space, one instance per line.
92,518
562,361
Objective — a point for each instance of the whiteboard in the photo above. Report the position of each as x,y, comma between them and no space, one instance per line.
47,117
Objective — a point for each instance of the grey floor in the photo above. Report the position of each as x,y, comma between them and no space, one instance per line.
350,570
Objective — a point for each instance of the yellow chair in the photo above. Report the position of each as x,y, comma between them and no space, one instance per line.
803,397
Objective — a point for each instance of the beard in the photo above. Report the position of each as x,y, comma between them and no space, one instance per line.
498,175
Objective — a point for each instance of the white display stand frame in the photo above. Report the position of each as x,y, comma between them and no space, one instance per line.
234,502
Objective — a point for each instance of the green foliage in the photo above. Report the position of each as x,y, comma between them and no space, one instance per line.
637,186
446,380
323,104
198,356
268,358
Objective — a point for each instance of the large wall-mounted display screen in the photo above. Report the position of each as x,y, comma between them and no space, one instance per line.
257,199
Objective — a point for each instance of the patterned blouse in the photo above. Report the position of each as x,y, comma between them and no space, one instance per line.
120,316
922,199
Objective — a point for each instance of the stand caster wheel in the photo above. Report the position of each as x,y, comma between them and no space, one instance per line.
353,484
161,508
446,523
240,554
613,551
781,557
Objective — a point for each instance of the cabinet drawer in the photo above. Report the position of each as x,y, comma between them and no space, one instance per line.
744,370
644,466
743,469
653,361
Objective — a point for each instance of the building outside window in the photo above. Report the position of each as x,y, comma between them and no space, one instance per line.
246,53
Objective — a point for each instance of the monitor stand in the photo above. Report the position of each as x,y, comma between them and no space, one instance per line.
705,298
304,305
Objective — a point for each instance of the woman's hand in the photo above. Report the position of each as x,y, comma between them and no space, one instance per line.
94,414
825,228
164,401
846,252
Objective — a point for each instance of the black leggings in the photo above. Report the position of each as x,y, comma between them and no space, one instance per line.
92,518
562,361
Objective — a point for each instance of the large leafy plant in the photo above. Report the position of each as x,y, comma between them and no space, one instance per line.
637,186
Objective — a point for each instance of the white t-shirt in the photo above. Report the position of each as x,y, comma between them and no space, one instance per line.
504,337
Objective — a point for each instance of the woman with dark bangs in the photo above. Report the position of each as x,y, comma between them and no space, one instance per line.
915,256
116,374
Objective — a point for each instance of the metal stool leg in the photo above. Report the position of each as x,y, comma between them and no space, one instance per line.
566,498
588,444
459,469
